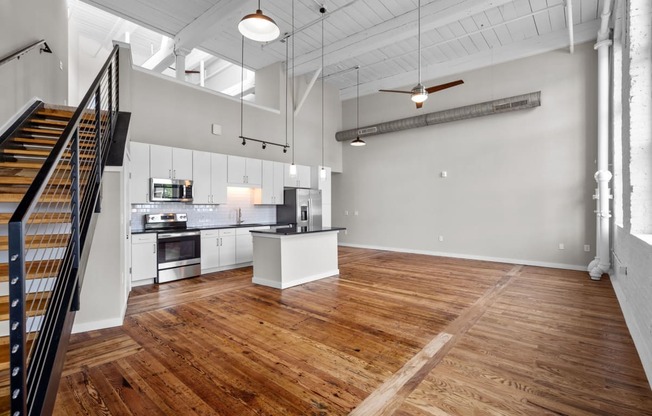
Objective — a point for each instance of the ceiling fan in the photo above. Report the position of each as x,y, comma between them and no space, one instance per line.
419,93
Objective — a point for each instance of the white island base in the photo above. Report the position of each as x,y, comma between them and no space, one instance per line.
283,261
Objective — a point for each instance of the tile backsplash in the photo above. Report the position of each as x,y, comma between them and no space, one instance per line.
208,215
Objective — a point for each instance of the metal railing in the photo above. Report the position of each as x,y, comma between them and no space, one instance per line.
46,238
17,54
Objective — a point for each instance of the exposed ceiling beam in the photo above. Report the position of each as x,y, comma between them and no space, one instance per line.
537,45
203,26
163,58
305,94
434,15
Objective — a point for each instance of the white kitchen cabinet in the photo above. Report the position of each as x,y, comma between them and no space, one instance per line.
143,257
218,249
209,171
139,173
170,162
302,180
272,183
244,244
244,171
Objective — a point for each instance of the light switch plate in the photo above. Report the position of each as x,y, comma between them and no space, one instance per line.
216,129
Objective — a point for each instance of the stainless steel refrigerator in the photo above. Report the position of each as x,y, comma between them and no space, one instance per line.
302,207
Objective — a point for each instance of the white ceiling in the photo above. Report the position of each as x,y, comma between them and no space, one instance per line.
378,35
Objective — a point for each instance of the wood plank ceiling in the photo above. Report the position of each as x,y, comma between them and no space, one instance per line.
378,35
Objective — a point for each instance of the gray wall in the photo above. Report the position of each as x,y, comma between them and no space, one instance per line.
518,184
33,75
167,112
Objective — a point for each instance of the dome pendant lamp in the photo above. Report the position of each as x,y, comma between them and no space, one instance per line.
258,27
357,141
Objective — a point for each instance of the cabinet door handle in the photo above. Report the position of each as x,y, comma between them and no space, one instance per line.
154,247
170,173
220,241
174,173
217,242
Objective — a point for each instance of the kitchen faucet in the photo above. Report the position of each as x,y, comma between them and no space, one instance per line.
238,219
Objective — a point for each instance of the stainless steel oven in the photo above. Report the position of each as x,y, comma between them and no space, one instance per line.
179,250
178,255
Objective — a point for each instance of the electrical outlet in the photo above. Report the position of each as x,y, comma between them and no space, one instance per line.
355,212
587,248
61,65
216,129
346,232
346,212
622,270
561,246
443,174
441,238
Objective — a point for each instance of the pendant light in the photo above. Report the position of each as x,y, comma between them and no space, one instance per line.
293,167
258,27
357,141
419,93
322,171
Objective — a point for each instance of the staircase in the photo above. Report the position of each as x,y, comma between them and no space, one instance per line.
21,157
51,164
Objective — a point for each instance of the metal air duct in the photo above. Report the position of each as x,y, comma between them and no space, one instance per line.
503,105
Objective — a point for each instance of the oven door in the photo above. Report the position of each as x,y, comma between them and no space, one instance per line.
178,249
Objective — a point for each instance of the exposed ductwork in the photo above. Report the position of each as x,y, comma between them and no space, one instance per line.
503,105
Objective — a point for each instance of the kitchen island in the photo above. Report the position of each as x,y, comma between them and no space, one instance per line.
290,256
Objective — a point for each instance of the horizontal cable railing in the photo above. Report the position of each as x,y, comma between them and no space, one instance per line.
46,237
41,44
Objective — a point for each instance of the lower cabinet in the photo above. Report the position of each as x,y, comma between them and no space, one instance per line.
245,244
143,257
218,249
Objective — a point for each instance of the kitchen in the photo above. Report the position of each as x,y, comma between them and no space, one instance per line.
194,212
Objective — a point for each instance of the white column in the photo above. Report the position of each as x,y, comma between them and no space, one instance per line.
180,56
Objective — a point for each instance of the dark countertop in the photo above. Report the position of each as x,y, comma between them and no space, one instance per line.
293,230
211,227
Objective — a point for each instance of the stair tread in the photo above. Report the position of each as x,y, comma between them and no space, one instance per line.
36,165
40,218
52,133
47,142
58,123
26,180
34,269
43,153
35,304
39,241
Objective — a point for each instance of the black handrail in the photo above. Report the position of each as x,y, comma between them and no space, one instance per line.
34,379
26,49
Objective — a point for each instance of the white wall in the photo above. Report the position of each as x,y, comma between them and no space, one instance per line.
33,75
171,113
103,298
632,156
518,184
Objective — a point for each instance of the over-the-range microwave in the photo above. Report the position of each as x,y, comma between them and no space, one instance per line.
170,190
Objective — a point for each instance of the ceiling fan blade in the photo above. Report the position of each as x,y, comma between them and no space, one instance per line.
419,105
402,92
444,86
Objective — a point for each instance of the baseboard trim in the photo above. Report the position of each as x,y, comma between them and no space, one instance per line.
471,257
308,279
94,325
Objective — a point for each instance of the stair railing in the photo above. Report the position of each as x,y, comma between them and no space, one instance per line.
20,52
47,233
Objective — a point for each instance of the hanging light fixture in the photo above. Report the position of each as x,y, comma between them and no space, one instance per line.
258,27
357,141
293,167
322,171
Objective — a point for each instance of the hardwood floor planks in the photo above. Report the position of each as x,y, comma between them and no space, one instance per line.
523,341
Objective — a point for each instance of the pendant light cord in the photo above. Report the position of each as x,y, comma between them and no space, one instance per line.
242,87
292,82
322,93
286,89
419,36
357,103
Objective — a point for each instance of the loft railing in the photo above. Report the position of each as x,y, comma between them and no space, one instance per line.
46,238
16,55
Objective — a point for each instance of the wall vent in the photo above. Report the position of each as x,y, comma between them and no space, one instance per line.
517,102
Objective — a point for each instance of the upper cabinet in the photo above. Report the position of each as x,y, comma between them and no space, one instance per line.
139,173
244,171
272,183
302,180
209,171
170,162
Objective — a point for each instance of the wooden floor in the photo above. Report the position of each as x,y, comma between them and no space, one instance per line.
395,334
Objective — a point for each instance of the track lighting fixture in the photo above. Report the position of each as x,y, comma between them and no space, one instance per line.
285,149
244,142
264,145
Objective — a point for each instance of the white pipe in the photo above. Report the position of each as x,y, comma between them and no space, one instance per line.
602,261
569,20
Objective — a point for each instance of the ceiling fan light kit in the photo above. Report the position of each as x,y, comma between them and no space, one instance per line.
419,94
258,27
